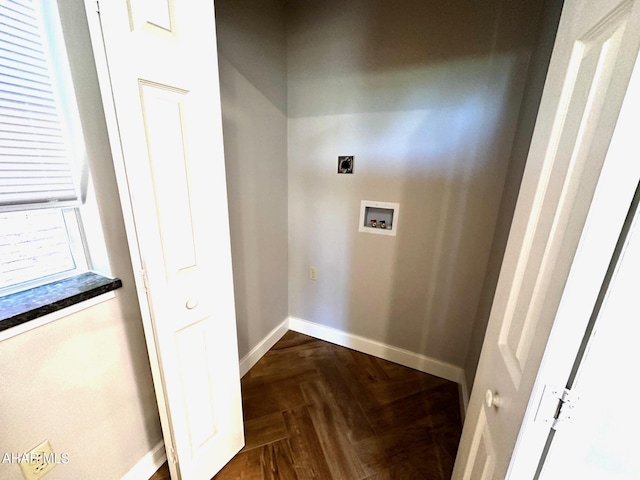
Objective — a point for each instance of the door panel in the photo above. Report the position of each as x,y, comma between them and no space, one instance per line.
162,108
162,63
482,457
153,14
593,56
197,385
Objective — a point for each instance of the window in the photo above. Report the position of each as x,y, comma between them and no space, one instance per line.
38,246
40,162
44,180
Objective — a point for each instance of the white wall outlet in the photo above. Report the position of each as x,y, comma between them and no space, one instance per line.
40,460
313,272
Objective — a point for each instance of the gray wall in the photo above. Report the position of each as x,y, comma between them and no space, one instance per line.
425,95
83,382
252,61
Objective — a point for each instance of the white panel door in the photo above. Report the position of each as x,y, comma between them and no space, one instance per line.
162,66
618,181
594,53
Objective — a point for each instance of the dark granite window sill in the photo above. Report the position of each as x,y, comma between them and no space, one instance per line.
20,307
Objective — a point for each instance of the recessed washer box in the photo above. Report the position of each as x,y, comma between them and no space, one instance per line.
380,218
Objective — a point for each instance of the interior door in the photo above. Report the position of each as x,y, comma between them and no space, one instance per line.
601,440
159,80
594,53
609,209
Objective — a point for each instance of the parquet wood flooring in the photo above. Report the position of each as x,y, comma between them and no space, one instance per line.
314,410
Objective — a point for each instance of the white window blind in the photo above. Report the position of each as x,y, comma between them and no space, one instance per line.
36,168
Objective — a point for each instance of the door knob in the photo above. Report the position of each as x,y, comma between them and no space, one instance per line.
492,399
191,303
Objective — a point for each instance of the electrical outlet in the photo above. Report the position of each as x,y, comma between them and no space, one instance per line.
40,461
313,273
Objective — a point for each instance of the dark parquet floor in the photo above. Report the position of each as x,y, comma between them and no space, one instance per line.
314,410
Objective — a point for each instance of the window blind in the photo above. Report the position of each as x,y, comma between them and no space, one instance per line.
35,165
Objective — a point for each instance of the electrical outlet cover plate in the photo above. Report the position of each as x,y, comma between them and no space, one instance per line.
41,465
345,164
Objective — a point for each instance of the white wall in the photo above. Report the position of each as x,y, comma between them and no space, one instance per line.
83,382
425,95
252,62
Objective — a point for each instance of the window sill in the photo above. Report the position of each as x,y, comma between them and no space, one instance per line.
21,307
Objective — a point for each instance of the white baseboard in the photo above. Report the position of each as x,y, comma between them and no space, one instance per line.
149,464
256,353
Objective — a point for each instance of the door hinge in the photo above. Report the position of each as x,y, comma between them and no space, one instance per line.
557,406
173,458
566,408
145,282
